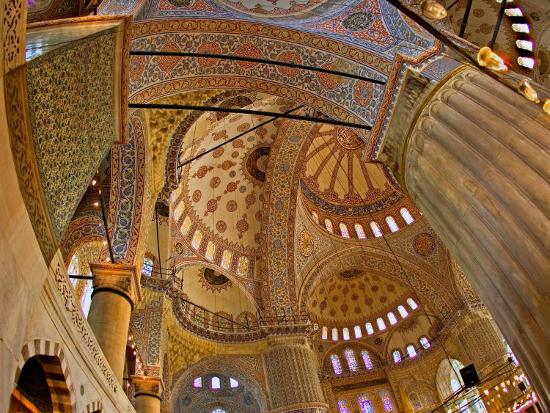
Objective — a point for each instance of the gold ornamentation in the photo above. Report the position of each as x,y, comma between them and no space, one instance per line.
306,243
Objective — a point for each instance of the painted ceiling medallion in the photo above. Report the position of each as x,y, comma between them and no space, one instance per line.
348,139
424,244
213,280
351,273
273,8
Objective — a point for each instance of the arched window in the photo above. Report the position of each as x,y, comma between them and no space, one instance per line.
424,342
197,382
233,383
368,327
334,334
197,239
392,319
412,303
324,333
411,351
315,217
343,230
396,355
376,231
365,405
349,354
406,215
343,406
147,268
366,359
357,332
392,224
402,311
381,324
386,401
218,410
226,259
345,333
216,383
360,231
328,225
210,251
336,366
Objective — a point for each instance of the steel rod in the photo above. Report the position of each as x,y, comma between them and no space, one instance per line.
247,112
498,23
465,18
81,277
257,60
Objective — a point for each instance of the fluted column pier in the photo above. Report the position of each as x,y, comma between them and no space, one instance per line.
116,288
147,393
475,159
293,376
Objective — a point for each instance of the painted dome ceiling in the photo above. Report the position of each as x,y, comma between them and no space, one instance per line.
368,24
336,179
354,296
218,205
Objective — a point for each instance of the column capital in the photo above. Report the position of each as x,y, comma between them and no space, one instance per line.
118,278
148,386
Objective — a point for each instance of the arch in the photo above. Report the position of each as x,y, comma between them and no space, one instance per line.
51,357
241,369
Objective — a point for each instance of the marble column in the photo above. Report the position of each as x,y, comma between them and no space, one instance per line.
474,157
116,288
147,393
293,376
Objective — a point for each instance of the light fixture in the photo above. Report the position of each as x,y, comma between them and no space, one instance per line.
96,204
489,59
546,106
433,10
530,94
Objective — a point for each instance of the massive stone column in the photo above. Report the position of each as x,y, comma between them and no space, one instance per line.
147,394
116,287
293,376
473,155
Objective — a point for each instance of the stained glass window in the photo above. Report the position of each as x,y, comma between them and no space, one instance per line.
396,354
344,230
334,334
386,401
392,318
366,359
147,268
381,324
343,406
424,342
357,332
360,231
406,215
336,366
328,225
368,327
402,311
411,351
365,405
345,333
233,383
376,231
412,303
197,382
324,333
352,361
216,383
392,224
210,250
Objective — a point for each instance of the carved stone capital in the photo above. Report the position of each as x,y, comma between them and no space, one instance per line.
147,386
118,278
